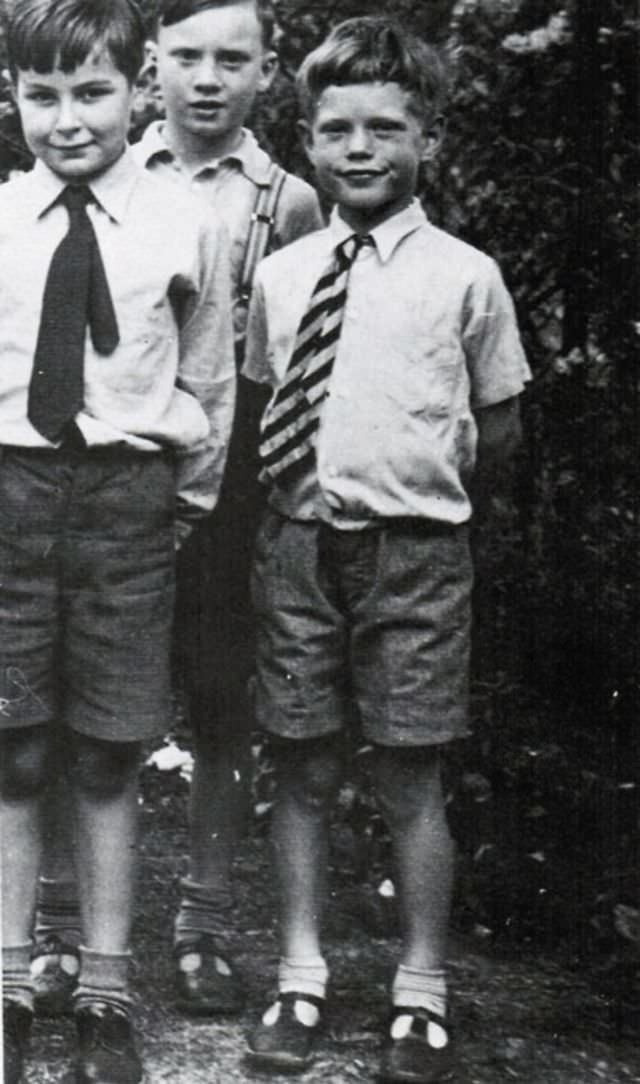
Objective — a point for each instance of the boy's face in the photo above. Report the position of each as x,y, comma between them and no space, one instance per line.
210,68
366,146
76,122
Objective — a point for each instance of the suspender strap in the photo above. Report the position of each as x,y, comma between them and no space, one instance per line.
261,227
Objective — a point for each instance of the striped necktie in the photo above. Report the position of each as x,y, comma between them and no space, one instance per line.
292,419
76,293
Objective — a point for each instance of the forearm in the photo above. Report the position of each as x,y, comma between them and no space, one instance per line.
499,436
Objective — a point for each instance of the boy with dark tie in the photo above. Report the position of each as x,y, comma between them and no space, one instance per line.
116,401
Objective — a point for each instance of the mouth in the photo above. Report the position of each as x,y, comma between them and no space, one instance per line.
361,174
76,148
206,108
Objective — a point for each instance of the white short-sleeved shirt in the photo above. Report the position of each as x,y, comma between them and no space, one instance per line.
429,336
170,382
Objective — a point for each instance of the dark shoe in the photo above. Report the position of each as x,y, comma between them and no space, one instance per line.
17,1026
106,1047
283,1041
54,972
206,980
412,1053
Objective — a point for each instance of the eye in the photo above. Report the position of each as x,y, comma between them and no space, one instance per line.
93,94
186,56
332,129
233,60
387,127
40,97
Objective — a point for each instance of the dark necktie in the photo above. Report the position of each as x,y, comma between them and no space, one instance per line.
292,419
76,293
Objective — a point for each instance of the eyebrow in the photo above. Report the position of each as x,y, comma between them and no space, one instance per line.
90,81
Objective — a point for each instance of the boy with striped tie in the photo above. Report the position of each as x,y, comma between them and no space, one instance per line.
395,364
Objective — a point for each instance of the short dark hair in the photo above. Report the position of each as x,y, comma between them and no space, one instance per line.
373,49
44,34
169,12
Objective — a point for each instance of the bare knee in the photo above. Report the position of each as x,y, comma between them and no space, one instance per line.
408,784
24,763
310,772
102,770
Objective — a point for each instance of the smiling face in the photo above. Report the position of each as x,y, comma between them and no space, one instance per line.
210,68
366,146
76,122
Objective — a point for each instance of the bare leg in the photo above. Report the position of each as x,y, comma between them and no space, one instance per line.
24,759
309,775
410,796
58,836
218,809
104,781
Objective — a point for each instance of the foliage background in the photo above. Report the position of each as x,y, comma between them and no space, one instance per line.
540,168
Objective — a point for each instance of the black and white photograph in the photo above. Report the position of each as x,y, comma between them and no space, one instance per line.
320,541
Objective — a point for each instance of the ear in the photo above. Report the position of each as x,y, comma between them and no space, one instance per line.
433,137
150,62
305,131
269,67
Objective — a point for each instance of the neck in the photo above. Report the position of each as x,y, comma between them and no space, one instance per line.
363,220
193,150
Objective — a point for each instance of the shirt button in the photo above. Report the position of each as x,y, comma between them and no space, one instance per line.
332,472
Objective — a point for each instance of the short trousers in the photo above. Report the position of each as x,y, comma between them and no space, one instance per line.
214,632
376,619
86,590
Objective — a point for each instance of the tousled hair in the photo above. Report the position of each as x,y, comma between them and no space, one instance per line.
169,12
374,49
45,34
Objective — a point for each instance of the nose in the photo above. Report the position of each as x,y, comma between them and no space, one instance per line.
207,74
66,120
360,144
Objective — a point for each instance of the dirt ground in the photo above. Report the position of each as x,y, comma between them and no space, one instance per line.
518,1018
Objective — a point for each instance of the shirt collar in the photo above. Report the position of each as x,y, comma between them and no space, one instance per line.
248,155
112,189
388,234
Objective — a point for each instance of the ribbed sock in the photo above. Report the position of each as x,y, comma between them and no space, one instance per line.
415,989
103,977
204,909
16,977
58,911
303,975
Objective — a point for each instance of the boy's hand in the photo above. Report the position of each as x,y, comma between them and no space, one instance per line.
182,532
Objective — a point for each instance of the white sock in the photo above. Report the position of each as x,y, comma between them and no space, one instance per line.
303,975
415,989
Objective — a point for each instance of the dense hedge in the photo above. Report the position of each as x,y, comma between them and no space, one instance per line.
540,168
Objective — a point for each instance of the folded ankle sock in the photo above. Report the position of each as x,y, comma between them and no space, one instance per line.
103,977
420,989
58,911
303,975
16,976
204,909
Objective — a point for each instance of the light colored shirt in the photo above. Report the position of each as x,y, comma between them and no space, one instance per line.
429,336
231,185
170,382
